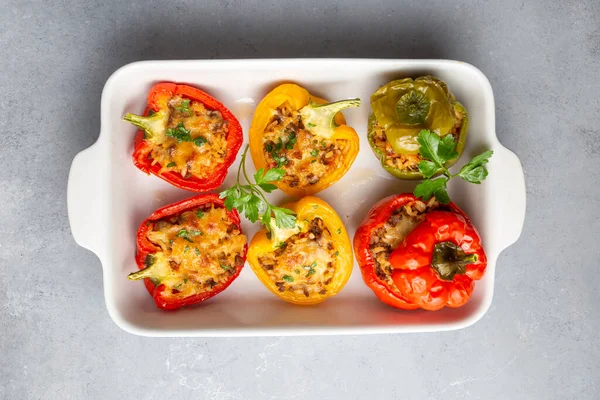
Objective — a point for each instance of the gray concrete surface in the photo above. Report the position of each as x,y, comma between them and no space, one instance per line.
538,341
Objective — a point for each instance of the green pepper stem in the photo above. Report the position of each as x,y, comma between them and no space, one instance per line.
413,108
330,109
469,258
137,120
142,273
151,124
319,118
449,259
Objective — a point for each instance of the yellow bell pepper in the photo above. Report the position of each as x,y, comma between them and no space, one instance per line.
306,136
308,263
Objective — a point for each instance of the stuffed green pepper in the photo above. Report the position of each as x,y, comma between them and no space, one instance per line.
404,107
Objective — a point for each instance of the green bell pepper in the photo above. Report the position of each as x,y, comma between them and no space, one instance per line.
404,107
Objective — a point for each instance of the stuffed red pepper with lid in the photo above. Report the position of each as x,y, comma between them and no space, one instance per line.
186,137
419,254
189,251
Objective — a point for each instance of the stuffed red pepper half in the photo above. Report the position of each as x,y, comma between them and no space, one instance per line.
186,137
415,254
189,251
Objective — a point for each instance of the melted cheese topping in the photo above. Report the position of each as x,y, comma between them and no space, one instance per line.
387,237
200,249
305,157
305,263
199,154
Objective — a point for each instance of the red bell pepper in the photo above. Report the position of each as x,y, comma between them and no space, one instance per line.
389,292
156,118
166,295
437,262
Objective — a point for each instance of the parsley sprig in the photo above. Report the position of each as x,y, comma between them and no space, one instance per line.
438,151
249,198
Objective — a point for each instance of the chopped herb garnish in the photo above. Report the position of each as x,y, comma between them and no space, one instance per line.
187,248
184,106
297,271
199,213
339,231
291,141
275,149
171,164
314,153
196,233
280,245
337,253
311,269
281,161
313,161
184,234
185,280
197,251
288,278
311,125
323,144
180,133
200,141
184,135
225,267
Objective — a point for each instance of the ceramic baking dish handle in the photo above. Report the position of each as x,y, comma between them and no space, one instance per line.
86,199
511,202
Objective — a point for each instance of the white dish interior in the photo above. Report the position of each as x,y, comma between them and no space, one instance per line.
108,197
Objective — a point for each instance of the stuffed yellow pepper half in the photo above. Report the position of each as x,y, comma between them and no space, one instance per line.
308,263
306,136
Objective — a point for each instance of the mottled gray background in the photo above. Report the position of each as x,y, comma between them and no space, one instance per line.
538,341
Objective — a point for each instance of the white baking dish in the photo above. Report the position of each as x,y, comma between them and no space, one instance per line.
108,197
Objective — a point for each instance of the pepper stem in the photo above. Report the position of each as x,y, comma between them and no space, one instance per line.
151,124
449,259
318,119
141,274
413,108
148,272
